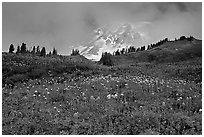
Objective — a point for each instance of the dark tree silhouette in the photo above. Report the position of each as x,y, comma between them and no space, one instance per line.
11,48
106,59
18,50
75,52
50,53
54,52
153,46
149,47
131,49
190,38
23,48
182,38
122,51
138,49
117,52
38,50
43,52
142,48
158,43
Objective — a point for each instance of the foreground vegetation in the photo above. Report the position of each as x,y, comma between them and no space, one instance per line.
72,95
23,67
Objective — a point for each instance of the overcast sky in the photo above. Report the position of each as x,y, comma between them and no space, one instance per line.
62,25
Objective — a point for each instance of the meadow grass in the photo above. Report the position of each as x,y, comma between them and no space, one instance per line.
84,98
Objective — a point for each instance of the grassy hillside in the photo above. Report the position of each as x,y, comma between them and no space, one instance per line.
176,59
70,95
172,51
20,68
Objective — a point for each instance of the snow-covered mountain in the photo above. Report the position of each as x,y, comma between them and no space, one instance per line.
110,38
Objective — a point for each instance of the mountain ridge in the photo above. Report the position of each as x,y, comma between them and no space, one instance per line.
108,39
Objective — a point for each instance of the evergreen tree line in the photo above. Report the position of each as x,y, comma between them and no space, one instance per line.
150,46
106,57
37,51
75,52
128,50
190,38
161,42
34,50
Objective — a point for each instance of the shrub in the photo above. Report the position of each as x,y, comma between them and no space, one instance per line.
106,59
182,38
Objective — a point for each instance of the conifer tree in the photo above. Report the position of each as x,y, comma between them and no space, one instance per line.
18,50
11,48
106,59
23,48
75,52
50,53
122,51
43,52
38,50
117,52
54,52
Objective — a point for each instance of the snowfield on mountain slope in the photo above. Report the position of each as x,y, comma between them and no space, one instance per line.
109,40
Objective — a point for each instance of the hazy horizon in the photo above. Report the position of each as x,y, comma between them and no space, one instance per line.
64,25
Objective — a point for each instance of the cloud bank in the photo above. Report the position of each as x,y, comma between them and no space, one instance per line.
63,25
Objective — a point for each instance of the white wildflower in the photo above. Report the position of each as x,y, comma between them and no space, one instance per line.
76,114
98,98
92,98
109,96
200,110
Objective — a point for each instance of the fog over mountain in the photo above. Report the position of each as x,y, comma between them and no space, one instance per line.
72,25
